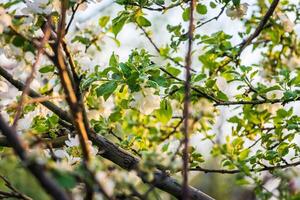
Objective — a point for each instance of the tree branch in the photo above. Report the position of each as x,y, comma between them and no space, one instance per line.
187,96
30,78
69,86
260,27
265,168
35,168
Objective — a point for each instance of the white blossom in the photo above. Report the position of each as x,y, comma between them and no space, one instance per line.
107,183
271,108
145,100
72,141
63,154
3,86
5,19
104,109
202,108
37,6
222,84
275,94
293,62
237,12
287,24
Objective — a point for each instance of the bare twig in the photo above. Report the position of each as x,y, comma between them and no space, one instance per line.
30,78
161,8
36,100
213,18
260,26
186,114
14,192
20,86
255,34
69,85
74,10
265,168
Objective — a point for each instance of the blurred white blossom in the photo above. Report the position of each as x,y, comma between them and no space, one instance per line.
237,12
106,182
145,100
287,24
3,86
275,94
72,141
63,154
293,62
37,6
5,19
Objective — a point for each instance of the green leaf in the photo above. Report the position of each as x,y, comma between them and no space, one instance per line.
114,61
199,77
11,3
244,154
201,9
222,96
87,82
174,71
18,41
103,21
115,116
236,2
81,39
47,68
142,21
210,83
118,23
165,147
125,69
164,113
186,14
212,5
106,89
64,179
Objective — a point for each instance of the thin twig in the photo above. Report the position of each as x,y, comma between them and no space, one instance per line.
68,85
260,26
186,114
162,8
15,193
36,100
265,168
157,48
213,18
30,78
74,10
255,34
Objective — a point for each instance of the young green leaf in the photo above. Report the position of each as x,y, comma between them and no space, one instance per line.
106,89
